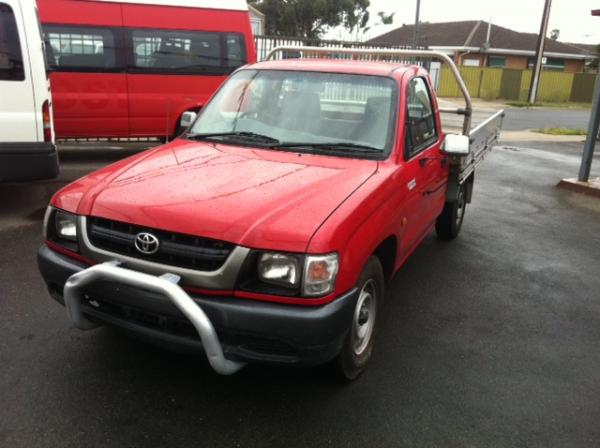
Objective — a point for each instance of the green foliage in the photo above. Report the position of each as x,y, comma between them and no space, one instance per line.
561,131
310,18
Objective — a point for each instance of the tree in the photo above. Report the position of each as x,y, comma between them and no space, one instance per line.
310,18
384,19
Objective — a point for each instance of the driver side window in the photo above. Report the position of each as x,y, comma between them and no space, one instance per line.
420,120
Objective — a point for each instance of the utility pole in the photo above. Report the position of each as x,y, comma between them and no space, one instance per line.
593,129
535,78
417,20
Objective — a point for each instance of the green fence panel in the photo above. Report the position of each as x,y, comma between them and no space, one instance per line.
491,80
525,85
510,87
555,86
472,78
494,83
448,86
583,87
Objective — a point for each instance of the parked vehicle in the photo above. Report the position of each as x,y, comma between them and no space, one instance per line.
27,150
268,231
131,68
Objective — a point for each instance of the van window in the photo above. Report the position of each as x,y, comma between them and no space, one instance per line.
420,122
165,51
73,48
11,58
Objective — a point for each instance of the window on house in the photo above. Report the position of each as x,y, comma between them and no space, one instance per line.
555,64
497,61
471,62
11,58
420,123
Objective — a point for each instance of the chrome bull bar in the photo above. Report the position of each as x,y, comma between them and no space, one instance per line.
166,285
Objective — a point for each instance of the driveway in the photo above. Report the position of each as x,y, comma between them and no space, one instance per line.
487,341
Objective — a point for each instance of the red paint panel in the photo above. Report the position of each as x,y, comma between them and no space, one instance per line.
79,12
90,104
156,102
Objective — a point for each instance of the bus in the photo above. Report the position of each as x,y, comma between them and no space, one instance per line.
132,68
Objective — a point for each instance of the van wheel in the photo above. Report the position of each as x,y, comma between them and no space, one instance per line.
449,223
358,346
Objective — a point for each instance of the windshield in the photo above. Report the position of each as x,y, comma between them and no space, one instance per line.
296,110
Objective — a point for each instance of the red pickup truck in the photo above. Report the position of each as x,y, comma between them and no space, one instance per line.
267,232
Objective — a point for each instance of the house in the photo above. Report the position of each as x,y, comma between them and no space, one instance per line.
257,21
481,44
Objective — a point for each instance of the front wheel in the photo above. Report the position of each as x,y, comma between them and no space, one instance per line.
358,346
449,223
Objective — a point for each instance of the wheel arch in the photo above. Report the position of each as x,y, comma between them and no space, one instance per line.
387,252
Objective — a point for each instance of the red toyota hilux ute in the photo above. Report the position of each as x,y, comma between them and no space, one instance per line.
267,232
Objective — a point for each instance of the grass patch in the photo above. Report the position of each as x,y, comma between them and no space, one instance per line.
561,131
525,104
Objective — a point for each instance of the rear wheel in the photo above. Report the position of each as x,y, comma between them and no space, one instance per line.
358,346
449,223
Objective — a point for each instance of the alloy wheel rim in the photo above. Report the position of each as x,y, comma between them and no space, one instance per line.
363,321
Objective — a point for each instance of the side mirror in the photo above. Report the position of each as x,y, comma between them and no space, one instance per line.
187,118
456,145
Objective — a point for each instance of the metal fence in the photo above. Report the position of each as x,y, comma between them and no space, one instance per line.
264,45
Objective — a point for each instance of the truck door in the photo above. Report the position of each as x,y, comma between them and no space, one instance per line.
424,165
18,122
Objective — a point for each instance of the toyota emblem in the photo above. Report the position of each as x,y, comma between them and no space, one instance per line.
146,243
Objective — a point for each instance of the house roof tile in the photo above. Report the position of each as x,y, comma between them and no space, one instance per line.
473,33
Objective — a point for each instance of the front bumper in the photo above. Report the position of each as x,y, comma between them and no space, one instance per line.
246,330
28,161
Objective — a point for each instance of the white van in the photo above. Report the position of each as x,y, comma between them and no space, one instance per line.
27,149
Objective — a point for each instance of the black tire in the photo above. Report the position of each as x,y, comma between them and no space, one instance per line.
356,352
449,223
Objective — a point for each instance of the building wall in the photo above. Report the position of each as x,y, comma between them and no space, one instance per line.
573,65
518,62
511,61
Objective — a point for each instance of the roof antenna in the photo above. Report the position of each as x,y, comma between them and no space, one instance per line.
487,43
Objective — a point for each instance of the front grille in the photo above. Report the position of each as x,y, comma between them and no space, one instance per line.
175,249
163,323
240,344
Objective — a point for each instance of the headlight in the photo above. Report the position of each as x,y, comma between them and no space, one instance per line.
279,269
66,225
320,272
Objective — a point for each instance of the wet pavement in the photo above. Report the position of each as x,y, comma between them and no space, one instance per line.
487,341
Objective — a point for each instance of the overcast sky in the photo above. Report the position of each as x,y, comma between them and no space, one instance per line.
571,17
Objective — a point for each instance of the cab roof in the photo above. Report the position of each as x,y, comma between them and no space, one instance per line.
373,68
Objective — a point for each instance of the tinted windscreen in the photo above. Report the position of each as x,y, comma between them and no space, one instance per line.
86,48
305,107
11,59
186,51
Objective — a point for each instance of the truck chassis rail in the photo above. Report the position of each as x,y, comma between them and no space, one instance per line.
167,285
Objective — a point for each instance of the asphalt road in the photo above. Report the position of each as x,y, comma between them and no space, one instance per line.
521,119
487,341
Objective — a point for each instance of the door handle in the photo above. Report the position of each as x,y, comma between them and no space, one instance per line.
425,161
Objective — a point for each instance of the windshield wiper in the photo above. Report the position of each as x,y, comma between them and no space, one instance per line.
239,135
334,146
